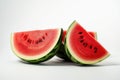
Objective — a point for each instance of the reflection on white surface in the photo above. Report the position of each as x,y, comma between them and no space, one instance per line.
102,16
58,69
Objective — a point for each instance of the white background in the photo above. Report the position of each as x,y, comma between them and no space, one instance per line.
102,16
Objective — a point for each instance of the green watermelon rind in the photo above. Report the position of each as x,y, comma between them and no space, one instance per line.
75,58
46,57
62,53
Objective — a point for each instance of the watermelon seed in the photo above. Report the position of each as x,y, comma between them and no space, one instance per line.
38,41
25,36
85,44
90,46
29,40
79,32
81,40
95,49
43,37
46,34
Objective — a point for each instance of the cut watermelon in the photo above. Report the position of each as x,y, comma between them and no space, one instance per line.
81,47
61,52
37,45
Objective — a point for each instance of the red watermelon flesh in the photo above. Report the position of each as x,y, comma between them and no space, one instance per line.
93,34
63,35
35,44
82,47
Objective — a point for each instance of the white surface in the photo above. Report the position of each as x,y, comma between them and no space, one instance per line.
102,16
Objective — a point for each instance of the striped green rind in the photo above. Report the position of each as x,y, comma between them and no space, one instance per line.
48,56
62,54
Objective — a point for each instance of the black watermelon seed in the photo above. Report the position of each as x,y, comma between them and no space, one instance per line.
81,40
40,40
43,37
29,41
37,42
46,34
90,46
25,37
79,32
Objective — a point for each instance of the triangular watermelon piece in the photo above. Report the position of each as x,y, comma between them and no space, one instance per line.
81,47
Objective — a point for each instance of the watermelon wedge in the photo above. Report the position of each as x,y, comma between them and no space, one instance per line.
37,45
81,47
61,52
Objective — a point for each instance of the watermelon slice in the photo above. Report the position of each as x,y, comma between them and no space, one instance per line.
61,52
81,47
37,45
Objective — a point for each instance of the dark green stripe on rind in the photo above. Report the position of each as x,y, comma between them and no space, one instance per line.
62,54
50,54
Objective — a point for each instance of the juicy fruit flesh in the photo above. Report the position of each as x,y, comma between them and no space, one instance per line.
34,43
83,47
61,53
93,34
63,36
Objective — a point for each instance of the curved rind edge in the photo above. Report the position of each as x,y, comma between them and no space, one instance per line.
48,56
74,58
